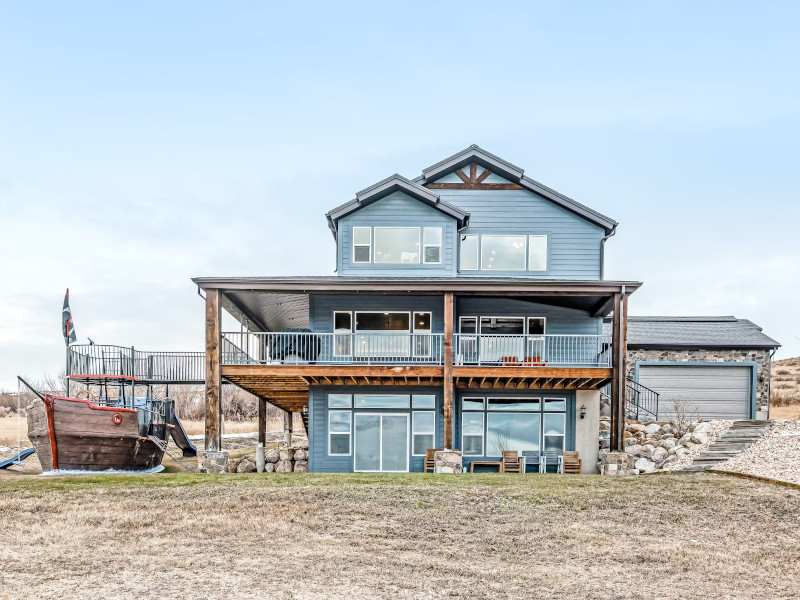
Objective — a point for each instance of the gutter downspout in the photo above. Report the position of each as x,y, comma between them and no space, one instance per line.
603,252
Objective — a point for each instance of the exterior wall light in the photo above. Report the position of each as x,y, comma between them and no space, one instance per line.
583,411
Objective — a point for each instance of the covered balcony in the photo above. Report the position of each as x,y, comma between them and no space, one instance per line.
300,332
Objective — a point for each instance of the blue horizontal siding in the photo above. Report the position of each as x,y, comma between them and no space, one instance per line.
322,307
397,210
574,242
559,320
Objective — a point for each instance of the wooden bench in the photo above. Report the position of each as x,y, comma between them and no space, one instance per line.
486,463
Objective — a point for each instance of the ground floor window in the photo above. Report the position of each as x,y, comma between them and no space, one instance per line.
381,431
492,425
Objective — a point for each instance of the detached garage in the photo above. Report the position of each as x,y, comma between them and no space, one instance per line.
714,367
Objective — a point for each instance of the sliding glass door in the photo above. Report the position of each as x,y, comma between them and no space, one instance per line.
381,442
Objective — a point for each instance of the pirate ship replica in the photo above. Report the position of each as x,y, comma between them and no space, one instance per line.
104,430
106,426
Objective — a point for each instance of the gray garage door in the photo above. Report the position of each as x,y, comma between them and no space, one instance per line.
711,391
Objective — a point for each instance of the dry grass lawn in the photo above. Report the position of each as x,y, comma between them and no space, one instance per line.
785,412
411,536
198,427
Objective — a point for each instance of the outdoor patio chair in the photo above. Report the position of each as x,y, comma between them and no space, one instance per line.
553,457
533,462
512,463
572,462
429,459
510,361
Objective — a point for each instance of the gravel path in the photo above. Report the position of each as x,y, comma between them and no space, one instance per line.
777,455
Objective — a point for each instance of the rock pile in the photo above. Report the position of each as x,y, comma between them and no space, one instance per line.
665,446
276,460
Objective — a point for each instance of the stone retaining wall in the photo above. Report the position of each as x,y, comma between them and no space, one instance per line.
276,460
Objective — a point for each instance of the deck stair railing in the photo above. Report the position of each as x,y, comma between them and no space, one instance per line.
641,403
149,367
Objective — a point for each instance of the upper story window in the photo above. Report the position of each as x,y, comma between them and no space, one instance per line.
362,244
397,245
493,252
432,245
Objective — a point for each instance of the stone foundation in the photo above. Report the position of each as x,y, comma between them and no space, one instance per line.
209,461
447,461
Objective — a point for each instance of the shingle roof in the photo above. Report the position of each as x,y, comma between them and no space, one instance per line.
694,333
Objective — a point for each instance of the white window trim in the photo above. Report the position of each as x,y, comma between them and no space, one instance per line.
349,434
439,245
380,441
477,252
482,413
431,433
524,251
352,323
419,244
546,252
353,235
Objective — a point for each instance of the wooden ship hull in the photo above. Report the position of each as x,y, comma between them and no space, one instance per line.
75,434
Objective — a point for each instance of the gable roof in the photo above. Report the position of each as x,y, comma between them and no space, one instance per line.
676,333
392,184
473,154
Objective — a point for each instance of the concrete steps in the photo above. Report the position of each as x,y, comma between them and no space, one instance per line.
740,436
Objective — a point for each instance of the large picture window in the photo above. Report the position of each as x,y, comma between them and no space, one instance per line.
503,252
490,426
397,245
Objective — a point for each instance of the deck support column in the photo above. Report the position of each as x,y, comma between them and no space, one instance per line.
262,421
447,388
213,432
619,346
287,428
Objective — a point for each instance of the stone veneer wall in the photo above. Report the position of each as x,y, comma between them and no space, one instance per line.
757,356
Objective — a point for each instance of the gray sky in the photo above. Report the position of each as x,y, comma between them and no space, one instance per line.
143,144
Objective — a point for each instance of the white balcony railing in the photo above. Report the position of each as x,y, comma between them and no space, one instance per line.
414,349
297,348
531,350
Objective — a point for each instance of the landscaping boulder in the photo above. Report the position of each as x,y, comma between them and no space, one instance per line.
283,466
269,467
644,465
301,466
247,464
300,454
286,454
652,428
272,456
659,454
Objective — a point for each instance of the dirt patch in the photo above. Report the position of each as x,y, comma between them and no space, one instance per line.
411,536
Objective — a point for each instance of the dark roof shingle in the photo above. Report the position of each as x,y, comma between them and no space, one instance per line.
694,332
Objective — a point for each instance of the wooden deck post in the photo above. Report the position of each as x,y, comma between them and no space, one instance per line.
213,433
447,391
618,382
262,421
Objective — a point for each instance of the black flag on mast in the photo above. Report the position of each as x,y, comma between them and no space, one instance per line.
66,322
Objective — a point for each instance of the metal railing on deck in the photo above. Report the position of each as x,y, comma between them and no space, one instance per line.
166,367
531,350
332,348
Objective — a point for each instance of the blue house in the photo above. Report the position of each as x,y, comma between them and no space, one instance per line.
466,313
